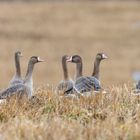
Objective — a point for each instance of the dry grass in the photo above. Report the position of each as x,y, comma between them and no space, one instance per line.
115,115
51,30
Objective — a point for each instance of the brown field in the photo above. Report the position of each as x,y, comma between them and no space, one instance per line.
51,30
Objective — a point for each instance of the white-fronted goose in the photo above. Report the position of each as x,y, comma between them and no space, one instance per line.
17,77
25,88
98,59
67,83
138,86
136,77
83,83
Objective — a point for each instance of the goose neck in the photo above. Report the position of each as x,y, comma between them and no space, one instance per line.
65,69
79,69
29,72
17,64
96,69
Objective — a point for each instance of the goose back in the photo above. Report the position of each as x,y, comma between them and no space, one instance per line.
87,84
19,88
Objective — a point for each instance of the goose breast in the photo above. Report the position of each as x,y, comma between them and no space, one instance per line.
65,85
15,80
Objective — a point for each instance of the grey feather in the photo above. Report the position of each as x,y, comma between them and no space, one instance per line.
86,84
138,85
17,77
65,85
15,80
136,76
19,88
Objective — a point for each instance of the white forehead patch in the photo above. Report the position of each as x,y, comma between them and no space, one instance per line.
104,56
69,59
39,59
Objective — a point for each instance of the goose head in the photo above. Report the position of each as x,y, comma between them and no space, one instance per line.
36,59
65,58
74,59
18,54
79,66
101,56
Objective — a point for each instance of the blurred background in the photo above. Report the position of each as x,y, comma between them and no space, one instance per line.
51,29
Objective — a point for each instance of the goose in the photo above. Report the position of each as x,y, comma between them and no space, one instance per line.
17,77
66,84
83,83
136,77
24,89
96,69
138,86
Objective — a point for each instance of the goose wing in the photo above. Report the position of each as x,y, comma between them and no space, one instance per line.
11,91
86,84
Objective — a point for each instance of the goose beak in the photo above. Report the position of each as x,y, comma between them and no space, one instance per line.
104,56
69,59
21,55
40,60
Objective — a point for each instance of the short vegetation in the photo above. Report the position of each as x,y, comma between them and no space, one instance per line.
114,115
